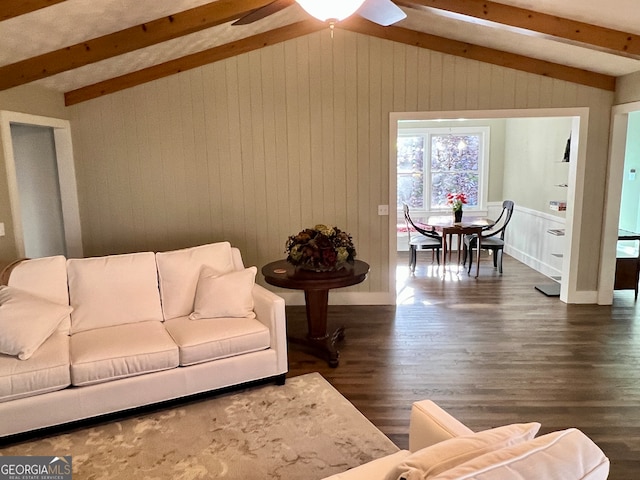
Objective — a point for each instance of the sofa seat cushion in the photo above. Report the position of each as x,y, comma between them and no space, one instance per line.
113,290
47,370
121,351
212,338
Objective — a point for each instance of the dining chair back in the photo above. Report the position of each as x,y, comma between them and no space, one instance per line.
420,238
492,238
502,221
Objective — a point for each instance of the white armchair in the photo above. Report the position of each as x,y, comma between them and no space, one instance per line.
442,448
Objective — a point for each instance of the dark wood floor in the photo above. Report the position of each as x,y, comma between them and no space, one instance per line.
491,351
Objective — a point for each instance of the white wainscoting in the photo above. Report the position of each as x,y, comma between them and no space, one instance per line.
529,241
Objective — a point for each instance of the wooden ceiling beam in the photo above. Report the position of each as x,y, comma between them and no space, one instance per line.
482,54
614,41
127,40
195,60
395,34
10,9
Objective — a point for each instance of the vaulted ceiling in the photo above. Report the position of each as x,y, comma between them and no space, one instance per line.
89,48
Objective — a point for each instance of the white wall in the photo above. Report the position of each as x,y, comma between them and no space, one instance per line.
533,166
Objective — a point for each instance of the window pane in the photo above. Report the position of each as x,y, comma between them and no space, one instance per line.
411,171
452,182
410,191
454,152
454,168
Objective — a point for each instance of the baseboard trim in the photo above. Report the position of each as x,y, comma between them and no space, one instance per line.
530,261
587,297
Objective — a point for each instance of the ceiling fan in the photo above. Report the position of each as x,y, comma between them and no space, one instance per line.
382,12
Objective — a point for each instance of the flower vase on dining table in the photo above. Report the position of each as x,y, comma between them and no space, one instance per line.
456,201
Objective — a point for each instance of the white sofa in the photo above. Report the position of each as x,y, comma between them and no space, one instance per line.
442,448
86,337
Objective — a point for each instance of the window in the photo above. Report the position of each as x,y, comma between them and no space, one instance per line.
436,161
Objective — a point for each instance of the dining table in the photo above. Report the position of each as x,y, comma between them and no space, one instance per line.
470,225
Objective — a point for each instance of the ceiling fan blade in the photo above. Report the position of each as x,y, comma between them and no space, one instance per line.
382,12
262,12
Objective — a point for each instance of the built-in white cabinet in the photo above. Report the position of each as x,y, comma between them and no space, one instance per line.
555,242
538,237
560,185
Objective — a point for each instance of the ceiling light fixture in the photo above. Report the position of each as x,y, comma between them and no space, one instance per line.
331,11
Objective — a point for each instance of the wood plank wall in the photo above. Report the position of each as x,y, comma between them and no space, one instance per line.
256,147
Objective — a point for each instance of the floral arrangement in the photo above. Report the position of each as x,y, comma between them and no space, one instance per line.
320,248
456,200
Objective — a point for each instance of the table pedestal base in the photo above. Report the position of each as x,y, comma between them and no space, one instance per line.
316,286
323,347
317,306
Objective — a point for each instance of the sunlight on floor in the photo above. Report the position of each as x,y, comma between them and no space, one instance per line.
406,284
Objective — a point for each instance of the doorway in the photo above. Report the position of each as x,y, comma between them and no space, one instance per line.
42,188
38,190
573,179
617,153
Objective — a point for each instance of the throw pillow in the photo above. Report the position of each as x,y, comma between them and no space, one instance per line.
228,295
179,271
27,321
435,459
564,455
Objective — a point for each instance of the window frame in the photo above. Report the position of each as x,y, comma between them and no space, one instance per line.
484,133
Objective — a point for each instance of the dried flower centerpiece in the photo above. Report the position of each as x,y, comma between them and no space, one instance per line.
321,249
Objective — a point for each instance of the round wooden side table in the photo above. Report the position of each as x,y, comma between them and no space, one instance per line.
316,286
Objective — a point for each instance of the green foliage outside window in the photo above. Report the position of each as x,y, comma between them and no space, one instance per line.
453,167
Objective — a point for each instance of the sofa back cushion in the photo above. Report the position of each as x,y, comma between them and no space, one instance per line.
563,455
236,258
435,459
179,271
113,290
47,278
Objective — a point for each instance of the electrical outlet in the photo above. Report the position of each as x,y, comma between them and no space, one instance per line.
383,209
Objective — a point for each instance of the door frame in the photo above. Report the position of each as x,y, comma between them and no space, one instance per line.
66,176
573,227
615,174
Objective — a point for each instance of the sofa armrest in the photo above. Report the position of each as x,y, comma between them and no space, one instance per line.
430,424
5,273
269,309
